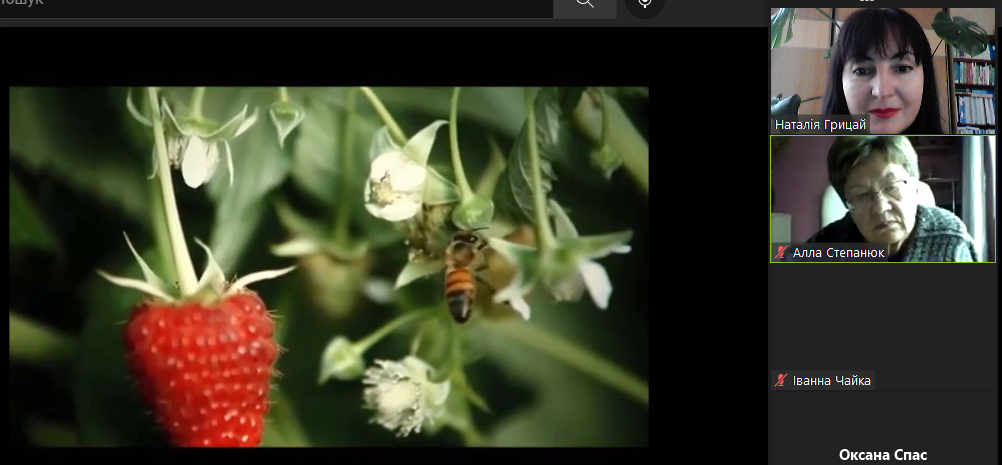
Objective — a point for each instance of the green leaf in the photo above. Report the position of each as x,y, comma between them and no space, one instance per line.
568,98
777,23
513,196
963,34
109,411
27,228
70,134
37,343
318,167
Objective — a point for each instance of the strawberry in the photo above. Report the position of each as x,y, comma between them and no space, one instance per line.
205,369
204,361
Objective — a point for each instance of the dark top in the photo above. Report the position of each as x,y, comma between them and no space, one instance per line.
939,236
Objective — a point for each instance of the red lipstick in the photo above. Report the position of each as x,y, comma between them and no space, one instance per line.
885,112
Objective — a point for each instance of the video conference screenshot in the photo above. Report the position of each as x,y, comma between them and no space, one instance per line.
883,278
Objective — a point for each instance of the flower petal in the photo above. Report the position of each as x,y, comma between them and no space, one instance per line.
418,369
138,115
569,289
385,164
408,177
382,143
401,209
418,148
520,305
259,276
520,286
148,274
195,162
597,281
229,160
213,275
437,393
136,284
417,269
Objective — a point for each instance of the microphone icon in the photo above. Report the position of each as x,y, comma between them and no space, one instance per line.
644,3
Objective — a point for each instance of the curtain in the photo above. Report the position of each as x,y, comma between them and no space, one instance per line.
973,185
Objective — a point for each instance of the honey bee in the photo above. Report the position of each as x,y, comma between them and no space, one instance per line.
463,259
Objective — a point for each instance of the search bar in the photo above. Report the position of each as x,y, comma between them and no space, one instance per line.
584,9
378,9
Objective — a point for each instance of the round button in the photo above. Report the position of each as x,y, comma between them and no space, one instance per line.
645,9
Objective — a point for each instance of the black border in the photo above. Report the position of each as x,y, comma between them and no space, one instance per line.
427,9
329,56
297,57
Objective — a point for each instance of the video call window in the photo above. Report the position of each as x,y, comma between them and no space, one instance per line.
917,71
926,198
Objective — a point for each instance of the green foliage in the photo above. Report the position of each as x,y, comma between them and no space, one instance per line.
964,34
26,227
515,190
506,392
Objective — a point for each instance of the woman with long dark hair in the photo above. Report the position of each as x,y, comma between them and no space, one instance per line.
882,66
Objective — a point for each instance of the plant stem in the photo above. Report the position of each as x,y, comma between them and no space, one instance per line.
603,139
623,138
544,231
161,235
808,100
577,357
457,163
187,279
342,219
495,167
826,15
379,334
197,97
283,94
384,114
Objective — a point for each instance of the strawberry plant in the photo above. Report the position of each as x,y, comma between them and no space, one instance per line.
319,220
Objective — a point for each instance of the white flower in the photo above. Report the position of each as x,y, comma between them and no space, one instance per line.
398,176
193,143
402,396
590,275
395,187
567,270
519,304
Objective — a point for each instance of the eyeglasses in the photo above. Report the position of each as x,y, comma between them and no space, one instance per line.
865,200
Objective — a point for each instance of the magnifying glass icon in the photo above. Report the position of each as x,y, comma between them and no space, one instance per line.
586,2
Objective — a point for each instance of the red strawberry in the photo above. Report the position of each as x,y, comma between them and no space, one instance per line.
205,369
203,361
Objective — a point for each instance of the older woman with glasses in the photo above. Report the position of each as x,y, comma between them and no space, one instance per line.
877,178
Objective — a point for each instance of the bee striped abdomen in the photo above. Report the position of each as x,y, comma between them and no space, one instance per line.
459,292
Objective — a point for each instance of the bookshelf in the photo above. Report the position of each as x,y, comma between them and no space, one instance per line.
972,91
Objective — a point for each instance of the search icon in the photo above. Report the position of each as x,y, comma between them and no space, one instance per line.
586,2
